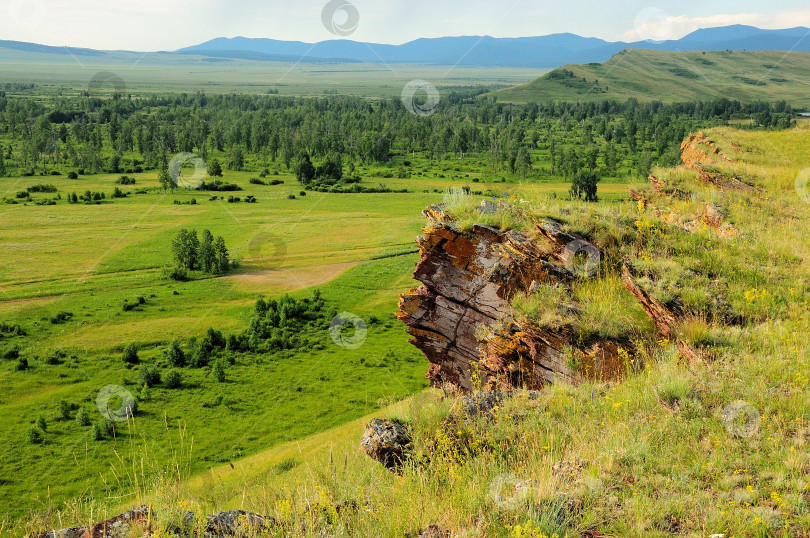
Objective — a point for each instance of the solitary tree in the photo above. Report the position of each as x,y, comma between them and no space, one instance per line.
82,418
64,409
584,186
174,380
304,169
215,168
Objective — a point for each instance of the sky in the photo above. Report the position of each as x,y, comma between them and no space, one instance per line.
150,25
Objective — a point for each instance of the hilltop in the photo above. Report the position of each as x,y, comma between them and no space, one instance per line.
673,77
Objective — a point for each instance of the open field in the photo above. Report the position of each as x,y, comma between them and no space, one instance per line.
89,259
144,74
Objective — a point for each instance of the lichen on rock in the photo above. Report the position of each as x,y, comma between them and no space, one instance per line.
468,282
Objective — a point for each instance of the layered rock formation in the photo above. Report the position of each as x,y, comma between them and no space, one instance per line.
468,280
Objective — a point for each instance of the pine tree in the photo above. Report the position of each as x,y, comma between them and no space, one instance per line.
215,169
174,355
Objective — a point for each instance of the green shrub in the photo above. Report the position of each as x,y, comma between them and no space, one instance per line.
148,376
98,431
218,371
178,274
174,380
22,364
62,317
42,424
34,436
64,409
131,354
82,418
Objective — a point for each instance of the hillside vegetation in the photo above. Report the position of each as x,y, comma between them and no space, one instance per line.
674,76
715,446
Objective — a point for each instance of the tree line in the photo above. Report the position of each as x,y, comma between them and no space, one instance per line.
130,135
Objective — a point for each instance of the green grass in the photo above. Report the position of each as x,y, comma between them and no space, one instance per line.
358,249
668,450
675,77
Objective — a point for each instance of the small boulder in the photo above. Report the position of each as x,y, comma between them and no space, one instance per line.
236,523
434,531
387,442
118,527
487,207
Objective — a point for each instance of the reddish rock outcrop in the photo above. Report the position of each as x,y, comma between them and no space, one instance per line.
461,318
665,320
696,158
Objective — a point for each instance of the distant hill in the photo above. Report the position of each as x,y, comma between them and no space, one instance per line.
542,52
46,49
675,76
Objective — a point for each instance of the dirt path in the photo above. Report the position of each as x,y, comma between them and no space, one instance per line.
293,278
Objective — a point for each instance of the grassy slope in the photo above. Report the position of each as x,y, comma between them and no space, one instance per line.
646,469
676,76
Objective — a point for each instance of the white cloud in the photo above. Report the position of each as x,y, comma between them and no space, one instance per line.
658,25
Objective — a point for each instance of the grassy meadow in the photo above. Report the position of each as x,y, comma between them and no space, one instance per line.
358,249
718,448
149,73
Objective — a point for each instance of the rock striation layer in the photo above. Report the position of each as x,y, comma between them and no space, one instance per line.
461,318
